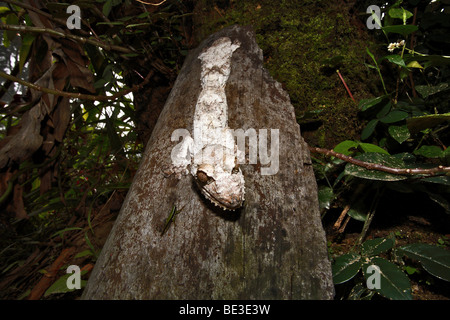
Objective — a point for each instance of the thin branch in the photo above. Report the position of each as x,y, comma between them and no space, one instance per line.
34,9
380,167
77,95
345,84
64,35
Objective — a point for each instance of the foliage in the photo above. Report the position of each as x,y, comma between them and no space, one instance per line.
393,282
61,190
407,127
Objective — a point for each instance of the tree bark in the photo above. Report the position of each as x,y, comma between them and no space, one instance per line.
273,247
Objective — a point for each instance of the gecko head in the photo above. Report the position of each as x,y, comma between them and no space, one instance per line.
223,188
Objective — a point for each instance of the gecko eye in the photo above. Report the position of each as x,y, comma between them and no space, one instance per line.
202,177
235,170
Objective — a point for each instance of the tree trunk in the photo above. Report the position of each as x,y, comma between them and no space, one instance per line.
273,247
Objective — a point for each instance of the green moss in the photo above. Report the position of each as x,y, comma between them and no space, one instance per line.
297,38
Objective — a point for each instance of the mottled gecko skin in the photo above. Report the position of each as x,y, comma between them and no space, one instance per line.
213,150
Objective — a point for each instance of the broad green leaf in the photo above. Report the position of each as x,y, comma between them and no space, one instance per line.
399,133
417,124
358,210
374,247
400,13
346,267
326,195
435,260
377,158
384,110
60,285
369,147
394,283
345,146
445,180
365,104
426,91
429,60
394,116
369,129
414,64
401,29
107,7
396,59
429,151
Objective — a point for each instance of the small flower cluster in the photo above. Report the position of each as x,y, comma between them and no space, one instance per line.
395,45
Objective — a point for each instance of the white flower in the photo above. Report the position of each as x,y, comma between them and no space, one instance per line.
395,45
391,47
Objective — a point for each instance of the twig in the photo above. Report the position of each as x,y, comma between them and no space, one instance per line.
338,222
34,9
47,278
77,95
345,85
64,35
380,167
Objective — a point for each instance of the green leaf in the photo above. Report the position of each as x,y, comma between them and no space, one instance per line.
439,199
369,129
369,147
394,116
429,151
435,260
4,9
417,124
326,196
358,210
346,267
365,104
396,59
378,158
400,13
399,133
414,64
374,247
426,91
429,60
59,233
107,7
60,285
401,29
445,180
345,146
394,283
27,42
